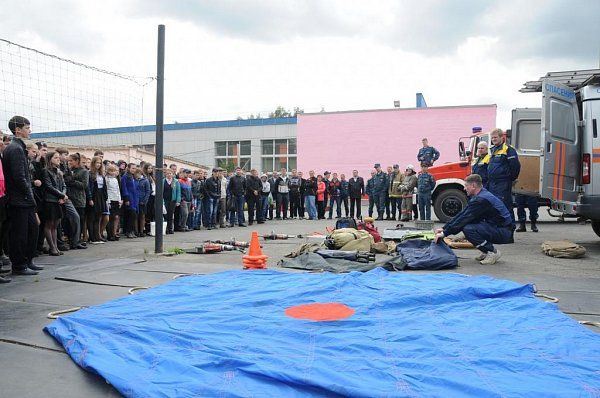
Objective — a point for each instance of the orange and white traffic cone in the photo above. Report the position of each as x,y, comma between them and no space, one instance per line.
255,259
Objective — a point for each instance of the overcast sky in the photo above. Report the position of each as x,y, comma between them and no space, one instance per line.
228,58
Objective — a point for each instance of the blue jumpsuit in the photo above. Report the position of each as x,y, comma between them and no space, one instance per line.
484,221
502,170
380,186
480,166
427,155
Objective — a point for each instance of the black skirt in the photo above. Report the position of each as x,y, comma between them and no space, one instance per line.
53,211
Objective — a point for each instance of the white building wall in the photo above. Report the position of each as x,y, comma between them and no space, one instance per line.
194,145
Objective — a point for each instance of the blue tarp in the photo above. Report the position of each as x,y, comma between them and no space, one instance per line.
439,335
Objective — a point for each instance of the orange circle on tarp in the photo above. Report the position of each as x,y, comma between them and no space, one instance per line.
320,311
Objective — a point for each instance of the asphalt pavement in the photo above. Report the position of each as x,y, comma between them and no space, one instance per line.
33,365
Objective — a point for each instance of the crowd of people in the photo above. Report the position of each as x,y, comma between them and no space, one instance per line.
55,201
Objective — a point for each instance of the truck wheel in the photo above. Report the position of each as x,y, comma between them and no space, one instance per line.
596,227
449,203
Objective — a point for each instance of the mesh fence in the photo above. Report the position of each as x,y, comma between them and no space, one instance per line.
58,94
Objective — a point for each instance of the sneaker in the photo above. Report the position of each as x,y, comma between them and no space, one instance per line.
481,256
491,258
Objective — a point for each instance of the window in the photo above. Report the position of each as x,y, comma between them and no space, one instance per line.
231,154
562,121
278,154
529,136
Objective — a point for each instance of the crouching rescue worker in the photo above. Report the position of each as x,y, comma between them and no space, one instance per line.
484,221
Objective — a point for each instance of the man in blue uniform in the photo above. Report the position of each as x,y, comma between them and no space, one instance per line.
380,186
484,221
503,169
428,154
480,162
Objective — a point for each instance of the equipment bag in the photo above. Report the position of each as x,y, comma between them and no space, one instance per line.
345,222
563,249
349,239
419,254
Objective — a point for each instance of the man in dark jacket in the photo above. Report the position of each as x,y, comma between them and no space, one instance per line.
310,192
295,184
272,180
484,221
302,193
198,195
253,197
369,192
23,220
212,194
356,189
282,186
334,191
237,190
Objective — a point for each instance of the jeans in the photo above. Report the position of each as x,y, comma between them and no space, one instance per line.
264,206
239,209
338,206
424,206
311,209
483,234
197,215
209,205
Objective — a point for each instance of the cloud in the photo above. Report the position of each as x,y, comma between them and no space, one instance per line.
523,30
268,21
62,23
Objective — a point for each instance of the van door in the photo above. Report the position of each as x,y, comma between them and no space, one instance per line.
526,138
561,158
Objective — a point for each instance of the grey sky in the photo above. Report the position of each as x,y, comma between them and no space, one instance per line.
226,58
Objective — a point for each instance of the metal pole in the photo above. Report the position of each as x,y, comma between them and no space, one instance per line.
160,92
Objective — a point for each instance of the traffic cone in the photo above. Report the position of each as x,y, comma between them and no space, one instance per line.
255,259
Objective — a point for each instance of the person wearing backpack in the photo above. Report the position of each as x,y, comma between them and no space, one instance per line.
425,185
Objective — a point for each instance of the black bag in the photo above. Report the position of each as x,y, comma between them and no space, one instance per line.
346,222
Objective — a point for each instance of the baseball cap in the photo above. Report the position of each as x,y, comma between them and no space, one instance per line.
377,165
396,166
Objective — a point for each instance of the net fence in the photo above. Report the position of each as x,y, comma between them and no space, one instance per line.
58,94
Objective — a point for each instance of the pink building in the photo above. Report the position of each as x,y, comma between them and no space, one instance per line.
343,141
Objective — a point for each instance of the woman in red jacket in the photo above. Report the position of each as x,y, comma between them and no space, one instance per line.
320,197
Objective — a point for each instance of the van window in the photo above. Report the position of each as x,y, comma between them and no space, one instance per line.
530,135
562,121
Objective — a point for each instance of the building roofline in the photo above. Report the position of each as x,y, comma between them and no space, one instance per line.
121,147
168,127
400,109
